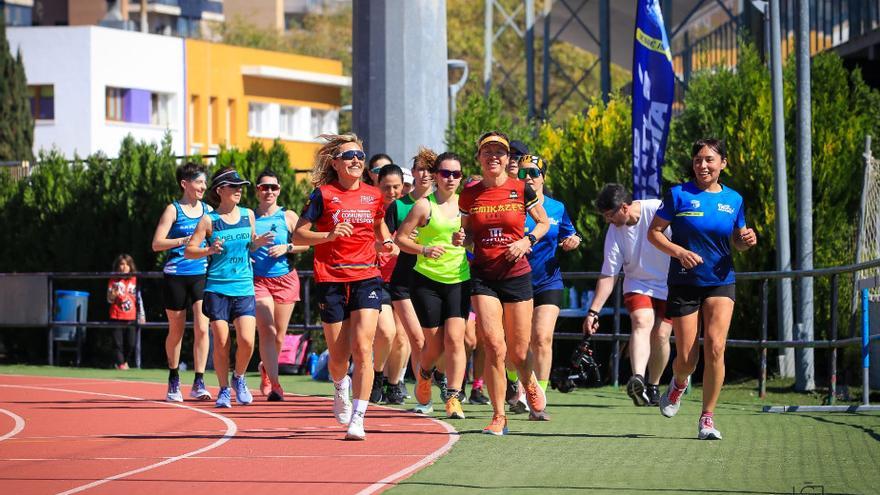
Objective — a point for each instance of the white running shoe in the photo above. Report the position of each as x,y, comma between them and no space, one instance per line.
341,402
356,428
707,430
671,400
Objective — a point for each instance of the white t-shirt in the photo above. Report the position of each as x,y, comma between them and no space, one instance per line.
645,267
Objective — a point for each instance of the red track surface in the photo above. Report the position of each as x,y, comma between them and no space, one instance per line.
61,435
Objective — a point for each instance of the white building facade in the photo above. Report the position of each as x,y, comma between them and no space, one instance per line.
91,86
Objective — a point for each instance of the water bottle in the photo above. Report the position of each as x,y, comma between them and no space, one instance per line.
573,300
181,366
312,362
586,298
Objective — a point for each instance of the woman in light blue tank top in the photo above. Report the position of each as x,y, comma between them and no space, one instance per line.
229,290
276,283
184,279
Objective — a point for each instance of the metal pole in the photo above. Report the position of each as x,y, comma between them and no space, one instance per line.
866,178
866,347
545,74
764,318
488,36
530,56
604,50
615,346
783,244
832,382
804,379
51,319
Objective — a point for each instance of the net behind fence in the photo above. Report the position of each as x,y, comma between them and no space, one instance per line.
868,247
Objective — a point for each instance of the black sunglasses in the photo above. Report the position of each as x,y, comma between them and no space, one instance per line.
528,172
268,187
455,174
351,154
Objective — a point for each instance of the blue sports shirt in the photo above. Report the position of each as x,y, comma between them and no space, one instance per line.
545,266
229,271
703,222
184,226
266,265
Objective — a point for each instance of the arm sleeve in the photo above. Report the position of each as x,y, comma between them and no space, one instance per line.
566,228
613,259
391,217
530,197
314,207
667,207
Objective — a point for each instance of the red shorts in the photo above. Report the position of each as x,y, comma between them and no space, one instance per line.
634,301
282,290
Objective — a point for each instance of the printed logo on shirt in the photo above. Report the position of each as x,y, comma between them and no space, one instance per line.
554,221
513,195
725,208
368,200
689,214
335,200
695,203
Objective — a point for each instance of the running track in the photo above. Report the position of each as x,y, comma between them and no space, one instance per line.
65,436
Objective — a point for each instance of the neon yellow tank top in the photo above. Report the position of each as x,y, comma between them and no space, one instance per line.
452,267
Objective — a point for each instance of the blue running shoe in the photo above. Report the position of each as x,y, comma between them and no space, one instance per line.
174,394
223,398
242,394
199,391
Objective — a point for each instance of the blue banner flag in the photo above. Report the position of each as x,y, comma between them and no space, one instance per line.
653,91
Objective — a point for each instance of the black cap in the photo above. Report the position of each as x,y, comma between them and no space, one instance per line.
228,178
518,148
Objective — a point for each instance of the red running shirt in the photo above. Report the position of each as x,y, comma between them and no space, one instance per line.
345,259
496,217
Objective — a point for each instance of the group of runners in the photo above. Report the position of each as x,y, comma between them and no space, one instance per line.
442,275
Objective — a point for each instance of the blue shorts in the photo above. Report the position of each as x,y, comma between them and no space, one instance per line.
218,307
337,300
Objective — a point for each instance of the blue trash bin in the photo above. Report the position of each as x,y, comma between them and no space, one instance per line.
70,305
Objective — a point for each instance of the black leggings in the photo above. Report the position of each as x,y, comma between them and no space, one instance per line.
121,336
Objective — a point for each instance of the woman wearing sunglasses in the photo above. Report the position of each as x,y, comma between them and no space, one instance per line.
546,276
184,279
229,290
276,283
401,277
347,216
440,286
494,215
371,173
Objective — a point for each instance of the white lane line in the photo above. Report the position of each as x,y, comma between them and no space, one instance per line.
231,429
209,458
19,424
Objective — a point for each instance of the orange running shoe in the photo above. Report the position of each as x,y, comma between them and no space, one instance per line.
453,408
423,388
265,384
498,426
535,396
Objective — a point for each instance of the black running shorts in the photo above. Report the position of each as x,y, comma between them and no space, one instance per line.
436,302
683,300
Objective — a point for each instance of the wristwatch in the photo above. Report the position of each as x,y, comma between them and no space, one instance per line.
532,239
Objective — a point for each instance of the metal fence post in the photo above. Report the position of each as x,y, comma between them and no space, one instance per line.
866,347
764,317
832,381
51,319
615,346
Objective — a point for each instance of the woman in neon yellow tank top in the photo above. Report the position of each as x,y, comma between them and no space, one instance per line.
440,290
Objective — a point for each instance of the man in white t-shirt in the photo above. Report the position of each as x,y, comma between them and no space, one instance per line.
644,288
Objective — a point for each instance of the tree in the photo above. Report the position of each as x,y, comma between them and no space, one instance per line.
16,123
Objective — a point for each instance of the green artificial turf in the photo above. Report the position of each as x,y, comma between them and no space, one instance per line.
598,441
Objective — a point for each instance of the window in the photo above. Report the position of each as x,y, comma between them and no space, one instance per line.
195,130
230,121
295,122
160,108
258,119
42,100
213,121
115,98
324,122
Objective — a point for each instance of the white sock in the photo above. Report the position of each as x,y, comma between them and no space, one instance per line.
402,375
342,384
359,407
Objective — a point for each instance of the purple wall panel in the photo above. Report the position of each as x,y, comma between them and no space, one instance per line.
136,106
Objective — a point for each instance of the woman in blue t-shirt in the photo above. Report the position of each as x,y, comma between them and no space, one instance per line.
706,217
229,289
546,275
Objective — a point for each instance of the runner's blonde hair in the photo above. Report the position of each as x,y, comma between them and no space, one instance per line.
322,172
